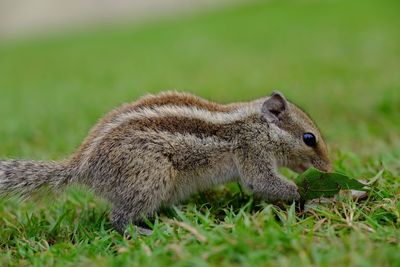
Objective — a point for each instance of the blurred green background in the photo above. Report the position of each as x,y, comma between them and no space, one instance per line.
339,60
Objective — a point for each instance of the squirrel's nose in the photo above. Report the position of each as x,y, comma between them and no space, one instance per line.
327,167
323,166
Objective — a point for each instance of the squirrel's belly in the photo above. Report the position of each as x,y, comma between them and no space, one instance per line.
189,182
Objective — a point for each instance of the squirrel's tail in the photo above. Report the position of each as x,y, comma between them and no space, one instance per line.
22,177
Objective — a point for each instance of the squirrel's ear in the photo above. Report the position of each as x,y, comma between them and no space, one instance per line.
274,106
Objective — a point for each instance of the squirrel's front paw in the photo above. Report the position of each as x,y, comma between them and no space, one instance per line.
293,193
286,192
289,193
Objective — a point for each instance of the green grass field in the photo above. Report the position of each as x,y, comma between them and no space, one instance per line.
339,60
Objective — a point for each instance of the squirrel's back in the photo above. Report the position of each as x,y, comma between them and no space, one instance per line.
164,99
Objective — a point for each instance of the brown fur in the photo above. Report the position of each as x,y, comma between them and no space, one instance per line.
162,99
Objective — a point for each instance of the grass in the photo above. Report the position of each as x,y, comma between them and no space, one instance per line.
339,60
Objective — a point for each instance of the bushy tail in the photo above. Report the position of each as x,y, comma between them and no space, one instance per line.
23,177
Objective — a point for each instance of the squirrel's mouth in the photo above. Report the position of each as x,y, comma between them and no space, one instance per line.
300,168
303,166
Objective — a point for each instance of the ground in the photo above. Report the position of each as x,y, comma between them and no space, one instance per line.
339,60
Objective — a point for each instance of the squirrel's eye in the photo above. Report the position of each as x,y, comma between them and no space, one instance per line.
309,139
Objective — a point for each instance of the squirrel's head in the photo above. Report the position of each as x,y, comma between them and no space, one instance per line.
302,145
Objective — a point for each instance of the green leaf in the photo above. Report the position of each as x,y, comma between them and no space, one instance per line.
314,184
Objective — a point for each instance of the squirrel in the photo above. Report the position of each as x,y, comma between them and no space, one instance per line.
162,148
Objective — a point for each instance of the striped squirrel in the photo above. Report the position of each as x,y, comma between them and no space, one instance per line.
162,148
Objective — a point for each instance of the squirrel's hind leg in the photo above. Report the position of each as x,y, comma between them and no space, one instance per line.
135,201
121,220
